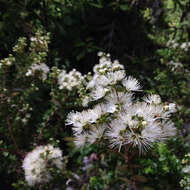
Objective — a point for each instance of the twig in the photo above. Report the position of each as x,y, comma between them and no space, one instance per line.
121,154
45,124
128,162
13,138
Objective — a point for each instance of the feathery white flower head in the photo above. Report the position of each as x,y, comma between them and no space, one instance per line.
116,117
96,134
81,139
119,98
153,98
36,164
131,84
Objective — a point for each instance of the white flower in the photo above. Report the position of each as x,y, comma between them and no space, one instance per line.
175,65
42,68
109,107
83,120
98,92
175,45
186,169
96,134
78,120
172,43
184,45
153,98
106,65
143,110
97,81
124,100
139,127
107,74
168,129
131,84
81,139
117,64
33,39
115,134
36,164
172,107
100,53
168,109
85,101
69,80
139,130
117,117
116,76
104,108
9,63
29,72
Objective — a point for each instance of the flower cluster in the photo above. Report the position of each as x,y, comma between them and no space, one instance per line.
117,117
36,56
69,80
41,68
21,44
185,182
37,164
39,42
175,65
173,44
106,75
7,61
176,52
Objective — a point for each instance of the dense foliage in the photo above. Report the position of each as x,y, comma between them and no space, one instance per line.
48,49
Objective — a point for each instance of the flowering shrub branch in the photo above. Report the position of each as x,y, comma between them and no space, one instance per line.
108,113
117,117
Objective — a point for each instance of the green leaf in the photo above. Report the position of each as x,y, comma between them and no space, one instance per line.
170,4
124,7
99,6
148,170
147,13
5,154
80,44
